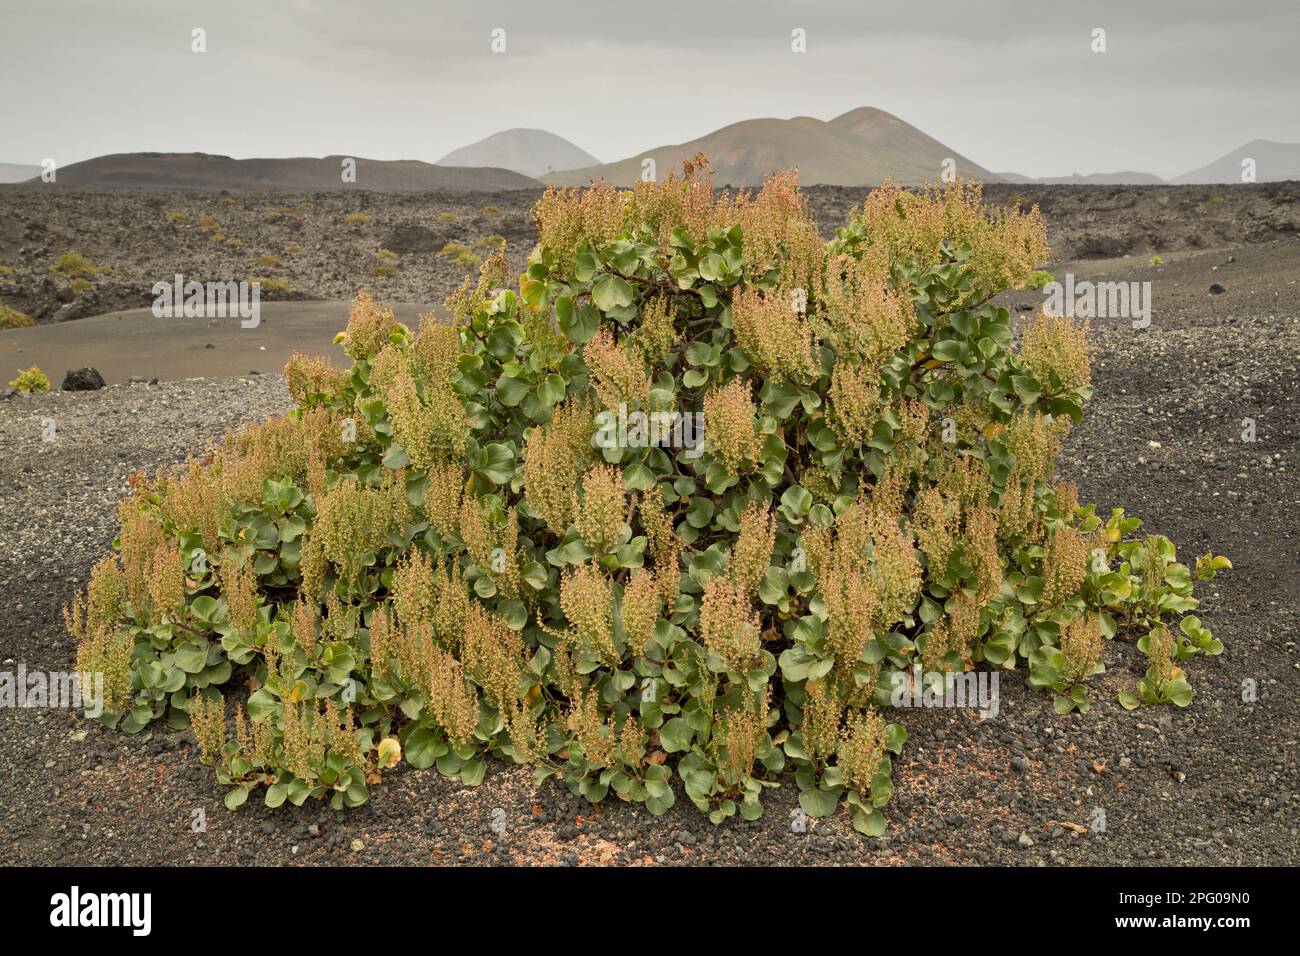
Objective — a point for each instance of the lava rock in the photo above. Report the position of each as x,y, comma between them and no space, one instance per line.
82,380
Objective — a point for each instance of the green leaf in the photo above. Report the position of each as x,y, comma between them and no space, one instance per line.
675,735
820,803
611,292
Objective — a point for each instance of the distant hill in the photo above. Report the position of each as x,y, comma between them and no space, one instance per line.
204,171
1124,178
860,148
17,172
533,152
1274,162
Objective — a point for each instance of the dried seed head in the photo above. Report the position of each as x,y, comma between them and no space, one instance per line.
617,373
601,508
1053,343
729,625
588,603
642,603
208,721
1080,647
555,456
752,552
774,335
1064,564
854,403
595,736
861,749
730,422
369,325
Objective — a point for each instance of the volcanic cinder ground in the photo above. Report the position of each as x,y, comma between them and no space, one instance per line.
1163,437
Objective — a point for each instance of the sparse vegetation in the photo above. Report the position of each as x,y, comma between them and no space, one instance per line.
29,381
11,318
485,565
384,270
291,249
268,260
81,285
385,254
459,253
356,219
1156,261
490,244
272,284
448,217
73,264
177,216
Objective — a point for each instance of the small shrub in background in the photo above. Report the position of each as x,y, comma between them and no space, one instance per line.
177,216
459,253
271,284
1157,261
356,219
448,217
29,381
11,318
268,260
73,264
451,551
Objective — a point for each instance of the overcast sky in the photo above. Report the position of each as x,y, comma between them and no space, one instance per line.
1012,84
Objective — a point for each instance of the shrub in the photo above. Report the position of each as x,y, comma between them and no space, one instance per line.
11,318
292,249
492,243
207,222
72,264
448,217
1157,261
30,380
81,285
177,216
383,270
356,219
453,550
459,253
6,270
227,201
385,254
267,260
272,285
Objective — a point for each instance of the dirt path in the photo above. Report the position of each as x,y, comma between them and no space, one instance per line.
135,343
